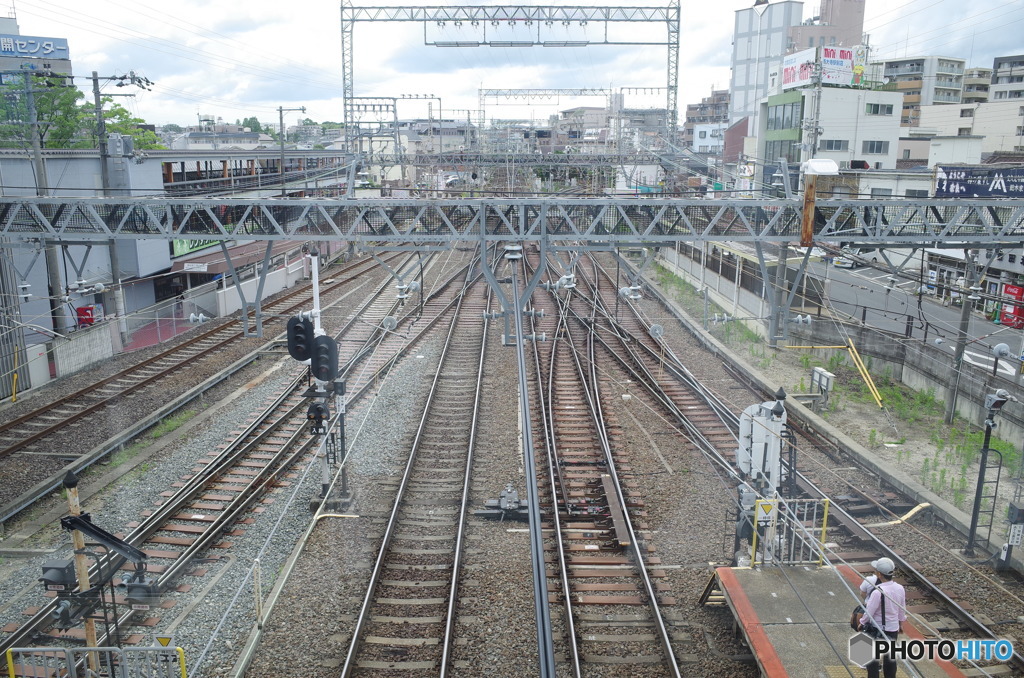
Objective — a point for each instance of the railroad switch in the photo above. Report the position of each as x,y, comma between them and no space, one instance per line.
507,505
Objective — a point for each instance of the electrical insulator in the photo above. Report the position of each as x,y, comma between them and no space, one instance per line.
324,359
300,338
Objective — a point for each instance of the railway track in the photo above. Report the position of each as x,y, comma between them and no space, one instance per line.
858,543
23,465
602,571
227,484
407,618
599,516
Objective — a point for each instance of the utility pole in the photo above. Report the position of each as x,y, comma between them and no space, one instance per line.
813,129
280,112
53,273
961,337
101,134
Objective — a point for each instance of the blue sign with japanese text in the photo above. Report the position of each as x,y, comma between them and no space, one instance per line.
27,46
953,181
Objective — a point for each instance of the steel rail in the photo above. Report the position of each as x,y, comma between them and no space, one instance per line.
860,532
353,397
46,487
591,378
453,591
131,373
152,523
545,634
556,482
392,524
41,620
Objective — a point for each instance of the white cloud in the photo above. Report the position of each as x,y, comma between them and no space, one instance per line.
238,59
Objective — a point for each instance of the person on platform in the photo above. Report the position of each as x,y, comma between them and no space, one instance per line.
884,613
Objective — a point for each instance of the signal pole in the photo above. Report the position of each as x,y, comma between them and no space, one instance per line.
81,564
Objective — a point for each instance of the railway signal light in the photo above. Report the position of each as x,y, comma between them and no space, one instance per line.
300,338
324,358
317,414
141,593
59,575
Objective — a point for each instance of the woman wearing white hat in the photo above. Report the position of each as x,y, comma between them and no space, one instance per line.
884,613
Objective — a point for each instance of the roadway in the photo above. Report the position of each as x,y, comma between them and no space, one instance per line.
889,300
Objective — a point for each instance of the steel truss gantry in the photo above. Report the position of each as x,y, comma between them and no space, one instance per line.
592,222
457,158
553,225
541,16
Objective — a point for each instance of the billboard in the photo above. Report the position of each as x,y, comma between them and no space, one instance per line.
839,66
952,181
843,65
27,47
798,68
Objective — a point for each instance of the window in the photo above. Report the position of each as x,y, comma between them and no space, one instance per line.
879,109
790,150
1021,112
785,116
875,147
963,132
834,145
703,134
881,192
966,112
906,154
916,193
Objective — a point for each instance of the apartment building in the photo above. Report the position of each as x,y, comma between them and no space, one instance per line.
1007,78
976,85
999,123
923,81
760,40
712,113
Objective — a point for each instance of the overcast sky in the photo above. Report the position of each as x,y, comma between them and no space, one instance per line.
237,59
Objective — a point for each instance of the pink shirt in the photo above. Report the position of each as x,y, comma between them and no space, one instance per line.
895,606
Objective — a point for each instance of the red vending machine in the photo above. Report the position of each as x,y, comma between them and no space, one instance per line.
1012,313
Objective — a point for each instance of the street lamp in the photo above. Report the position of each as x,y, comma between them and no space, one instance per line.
993,403
280,113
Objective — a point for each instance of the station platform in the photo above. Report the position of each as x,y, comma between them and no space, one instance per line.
796,621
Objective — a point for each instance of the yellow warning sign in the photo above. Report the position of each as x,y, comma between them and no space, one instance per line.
165,641
764,513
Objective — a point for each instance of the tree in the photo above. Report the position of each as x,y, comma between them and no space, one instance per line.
173,129
119,120
62,121
58,116
253,124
